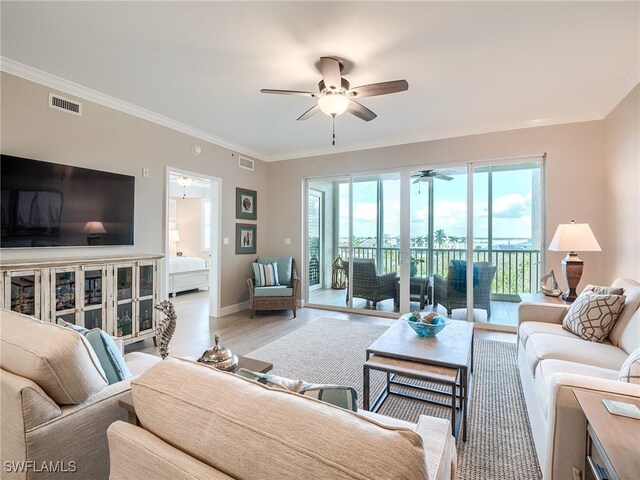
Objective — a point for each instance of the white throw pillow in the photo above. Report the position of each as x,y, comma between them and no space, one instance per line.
630,371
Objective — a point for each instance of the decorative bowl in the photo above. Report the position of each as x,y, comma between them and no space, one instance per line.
427,329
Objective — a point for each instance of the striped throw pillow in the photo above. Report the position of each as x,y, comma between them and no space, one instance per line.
266,275
344,397
630,371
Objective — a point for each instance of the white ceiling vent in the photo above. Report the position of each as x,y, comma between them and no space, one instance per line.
65,104
245,163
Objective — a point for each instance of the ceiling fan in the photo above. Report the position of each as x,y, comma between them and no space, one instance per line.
425,175
335,95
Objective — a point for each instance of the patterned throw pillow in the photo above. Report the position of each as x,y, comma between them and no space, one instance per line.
344,397
630,371
592,316
603,290
266,275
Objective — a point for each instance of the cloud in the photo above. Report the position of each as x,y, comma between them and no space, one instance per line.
513,205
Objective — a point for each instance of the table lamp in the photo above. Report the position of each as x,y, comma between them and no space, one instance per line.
573,237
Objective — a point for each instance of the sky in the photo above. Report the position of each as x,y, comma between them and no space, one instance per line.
512,209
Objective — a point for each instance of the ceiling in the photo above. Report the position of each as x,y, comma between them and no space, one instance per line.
199,66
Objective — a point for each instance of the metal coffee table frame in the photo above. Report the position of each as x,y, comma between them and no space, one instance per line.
456,376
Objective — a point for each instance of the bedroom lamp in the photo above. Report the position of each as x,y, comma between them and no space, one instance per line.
573,237
94,229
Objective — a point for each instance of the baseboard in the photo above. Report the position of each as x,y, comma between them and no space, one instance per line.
238,307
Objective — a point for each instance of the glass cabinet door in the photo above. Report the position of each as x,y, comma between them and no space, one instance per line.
124,279
145,296
65,291
146,281
125,304
23,293
94,307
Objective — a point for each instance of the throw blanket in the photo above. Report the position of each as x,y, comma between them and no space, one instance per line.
460,275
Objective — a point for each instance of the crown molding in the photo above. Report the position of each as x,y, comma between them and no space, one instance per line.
52,81
38,76
621,90
441,135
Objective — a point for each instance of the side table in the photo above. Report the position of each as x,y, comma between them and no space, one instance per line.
542,298
612,451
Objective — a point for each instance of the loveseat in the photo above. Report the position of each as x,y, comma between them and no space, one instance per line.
553,362
198,422
56,401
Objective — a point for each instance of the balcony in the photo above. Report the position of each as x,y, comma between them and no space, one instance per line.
517,272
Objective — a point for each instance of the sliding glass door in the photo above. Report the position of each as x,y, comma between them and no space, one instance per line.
467,238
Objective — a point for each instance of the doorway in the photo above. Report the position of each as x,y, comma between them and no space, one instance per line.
192,249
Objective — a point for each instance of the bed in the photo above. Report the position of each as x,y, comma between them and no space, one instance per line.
187,273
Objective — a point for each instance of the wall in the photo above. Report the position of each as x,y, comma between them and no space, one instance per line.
574,182
106,139
622,172
189,226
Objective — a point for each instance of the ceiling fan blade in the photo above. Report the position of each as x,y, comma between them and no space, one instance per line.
309,113
382,88
288,92
330,70
443,177
360,111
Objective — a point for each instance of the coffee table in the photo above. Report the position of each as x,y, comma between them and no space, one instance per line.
126,401
446,359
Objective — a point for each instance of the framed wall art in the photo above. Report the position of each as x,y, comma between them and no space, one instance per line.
246,204
246,238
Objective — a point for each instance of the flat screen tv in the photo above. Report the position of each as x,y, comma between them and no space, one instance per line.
51,205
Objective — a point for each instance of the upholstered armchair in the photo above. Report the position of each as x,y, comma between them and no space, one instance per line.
279,297
451,291
368,284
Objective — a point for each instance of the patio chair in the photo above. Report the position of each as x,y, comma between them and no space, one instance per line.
451,291
368,284
280,297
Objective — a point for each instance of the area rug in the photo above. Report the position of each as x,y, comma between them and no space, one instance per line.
499,444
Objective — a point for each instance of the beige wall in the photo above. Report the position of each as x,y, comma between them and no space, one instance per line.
622,158
106,139
575,185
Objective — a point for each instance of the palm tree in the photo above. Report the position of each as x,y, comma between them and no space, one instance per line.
440,238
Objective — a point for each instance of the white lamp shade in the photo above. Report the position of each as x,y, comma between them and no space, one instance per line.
174,236
574,237
333,104
94,227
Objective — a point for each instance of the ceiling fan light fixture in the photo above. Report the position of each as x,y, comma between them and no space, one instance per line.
333,104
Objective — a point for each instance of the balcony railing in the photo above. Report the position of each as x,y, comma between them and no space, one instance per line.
517,269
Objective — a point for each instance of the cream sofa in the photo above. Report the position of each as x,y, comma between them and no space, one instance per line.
197,422
56,403
553,362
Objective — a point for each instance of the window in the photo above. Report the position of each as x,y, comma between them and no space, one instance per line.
206,224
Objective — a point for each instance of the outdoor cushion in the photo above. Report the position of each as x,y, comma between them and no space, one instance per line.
546,368
193,406
57,359
526,329
284,267
542,346
279,291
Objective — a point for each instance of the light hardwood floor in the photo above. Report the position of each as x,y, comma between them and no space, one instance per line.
195,329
